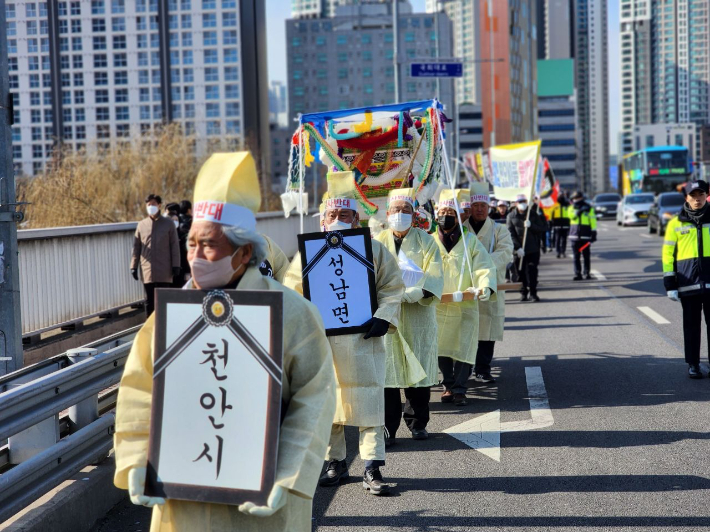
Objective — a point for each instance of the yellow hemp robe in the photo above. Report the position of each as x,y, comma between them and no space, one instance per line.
458,322
277,259
491,314
360,363
308,395
412,350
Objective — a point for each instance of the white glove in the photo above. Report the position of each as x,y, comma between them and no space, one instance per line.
484,294
277,499
457,297
527,224
413,295
673,295
520,253
136,488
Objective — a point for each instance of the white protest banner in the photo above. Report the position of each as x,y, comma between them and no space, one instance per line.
216,404
513,169
339,278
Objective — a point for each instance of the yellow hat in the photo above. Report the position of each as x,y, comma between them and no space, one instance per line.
402,194
341,191
227,190
463,195
480,192
447,199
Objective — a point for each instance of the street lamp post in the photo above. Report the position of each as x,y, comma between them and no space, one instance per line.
395,39
493,88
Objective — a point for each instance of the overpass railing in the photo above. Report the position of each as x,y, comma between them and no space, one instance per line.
56,418
71,274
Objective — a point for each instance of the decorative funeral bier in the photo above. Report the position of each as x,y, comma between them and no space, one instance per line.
339,278
216,395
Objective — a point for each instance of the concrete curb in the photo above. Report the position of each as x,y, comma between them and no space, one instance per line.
73,506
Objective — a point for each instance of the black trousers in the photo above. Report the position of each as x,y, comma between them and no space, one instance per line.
561,239
578,255
150,296
528,272
484,356
416,409
693,307
455,374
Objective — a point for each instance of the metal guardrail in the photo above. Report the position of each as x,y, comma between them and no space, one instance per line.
44,447
71,274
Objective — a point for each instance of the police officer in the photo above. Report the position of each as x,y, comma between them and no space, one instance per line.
686,269
582,233
560,226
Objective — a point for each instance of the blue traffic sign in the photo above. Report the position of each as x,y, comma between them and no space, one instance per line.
436,70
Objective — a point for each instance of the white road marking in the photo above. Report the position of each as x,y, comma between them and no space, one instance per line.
597,274
646,235
655,316
483,432
603,229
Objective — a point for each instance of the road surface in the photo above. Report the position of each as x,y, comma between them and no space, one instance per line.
610,434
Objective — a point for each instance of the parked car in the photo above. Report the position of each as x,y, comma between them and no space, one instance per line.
666,206
633,209
605,205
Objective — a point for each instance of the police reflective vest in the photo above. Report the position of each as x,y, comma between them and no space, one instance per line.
583,222
558,216
686,255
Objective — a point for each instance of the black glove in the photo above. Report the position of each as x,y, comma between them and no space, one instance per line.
134,273
176,271
594,236
378,328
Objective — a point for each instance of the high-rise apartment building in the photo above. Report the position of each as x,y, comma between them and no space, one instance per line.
665,64
592,84
347,61
465,17
508,80
555,29
325,8
92,72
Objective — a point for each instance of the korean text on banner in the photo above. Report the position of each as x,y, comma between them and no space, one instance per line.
513,169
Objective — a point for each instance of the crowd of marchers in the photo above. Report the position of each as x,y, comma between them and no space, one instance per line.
439,315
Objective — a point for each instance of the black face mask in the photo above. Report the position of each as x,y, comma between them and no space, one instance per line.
447,223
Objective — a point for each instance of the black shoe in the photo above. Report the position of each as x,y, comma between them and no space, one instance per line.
588,277
336,471
524,298
534,298
694,371
460,399
447,396
577,278
564,255
389,442
372,481
484,377
559,255
420,434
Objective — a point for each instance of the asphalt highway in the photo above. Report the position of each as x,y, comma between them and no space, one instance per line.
625,443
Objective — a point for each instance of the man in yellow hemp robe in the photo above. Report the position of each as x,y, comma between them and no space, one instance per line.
412,350
225,252
497,241
359,360
469,268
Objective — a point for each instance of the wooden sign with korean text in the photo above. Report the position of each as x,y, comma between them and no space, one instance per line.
216,407
339,278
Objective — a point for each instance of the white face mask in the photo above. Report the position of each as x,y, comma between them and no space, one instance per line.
152,210
210,274
400,221
522,206
339,225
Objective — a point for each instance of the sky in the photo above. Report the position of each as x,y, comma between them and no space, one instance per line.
279,10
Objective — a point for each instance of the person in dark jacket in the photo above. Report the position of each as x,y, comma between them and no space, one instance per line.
183,229
582,234
560,226
526,248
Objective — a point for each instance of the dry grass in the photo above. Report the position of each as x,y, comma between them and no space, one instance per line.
109,186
